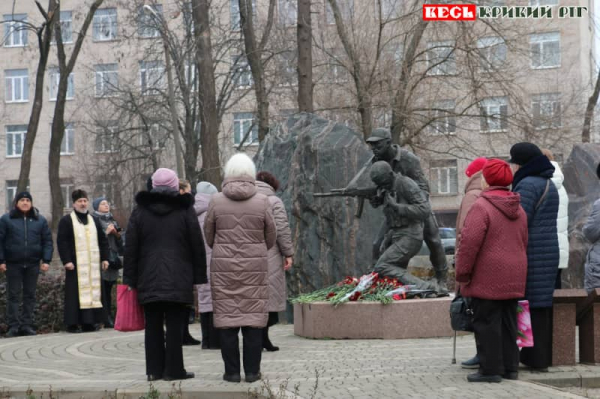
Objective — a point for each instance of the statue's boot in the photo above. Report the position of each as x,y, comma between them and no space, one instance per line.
406,278
442,277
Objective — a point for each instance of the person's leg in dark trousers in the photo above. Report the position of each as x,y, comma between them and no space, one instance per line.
176,314
30,278
107,302
154,339
558,283
487,324
266,342
14,280
252,349
540,355
230,350
510,350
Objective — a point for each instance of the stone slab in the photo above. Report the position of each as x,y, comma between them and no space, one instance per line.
563,334
413,318
589,335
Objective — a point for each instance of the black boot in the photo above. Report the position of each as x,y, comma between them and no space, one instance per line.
266,342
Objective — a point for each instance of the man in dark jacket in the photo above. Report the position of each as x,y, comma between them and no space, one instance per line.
405,208
25,240
164,258
539,199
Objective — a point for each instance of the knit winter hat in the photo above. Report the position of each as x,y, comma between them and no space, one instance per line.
521,153
496,172
475,166
164,177
205,187
97,201
23,194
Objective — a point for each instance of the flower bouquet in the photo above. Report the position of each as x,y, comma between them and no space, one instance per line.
369,287
524,331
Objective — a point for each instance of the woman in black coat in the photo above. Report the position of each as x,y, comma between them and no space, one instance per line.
164,258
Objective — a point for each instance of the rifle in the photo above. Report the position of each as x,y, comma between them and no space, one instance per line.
362,194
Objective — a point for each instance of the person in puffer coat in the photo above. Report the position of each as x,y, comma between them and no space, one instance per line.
25,242
492,276
210,335
591,231
280,255
562,221
164,258
240,230
539,199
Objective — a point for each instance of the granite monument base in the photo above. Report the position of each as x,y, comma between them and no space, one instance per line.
411,318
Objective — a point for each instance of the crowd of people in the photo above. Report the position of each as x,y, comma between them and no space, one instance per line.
226,253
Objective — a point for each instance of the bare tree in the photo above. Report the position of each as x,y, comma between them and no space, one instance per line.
58,122
589,112
305,61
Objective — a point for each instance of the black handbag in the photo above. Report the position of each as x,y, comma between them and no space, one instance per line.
461,313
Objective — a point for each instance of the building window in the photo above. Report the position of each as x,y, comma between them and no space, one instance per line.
107,79
55,80
383,118
444,177
287,68
15,139
153,136
15,30
104,189
242,123
66,188
152,77
149,24
545,50
441,59
536,3
234,10
546,111
444,118
17,85
346,9
288,12
492,51
390,9
104,26
336,71
242,75
494,114
188,18
191,75
106,138
67,146
66,27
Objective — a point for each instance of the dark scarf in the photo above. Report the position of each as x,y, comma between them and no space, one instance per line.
105,218
82,217
538,166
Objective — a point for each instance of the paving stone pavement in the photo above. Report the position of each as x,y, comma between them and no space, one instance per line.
106,362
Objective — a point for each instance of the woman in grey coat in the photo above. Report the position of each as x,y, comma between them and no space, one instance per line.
279,256
591,231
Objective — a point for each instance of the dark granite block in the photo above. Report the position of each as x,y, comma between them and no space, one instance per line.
563,334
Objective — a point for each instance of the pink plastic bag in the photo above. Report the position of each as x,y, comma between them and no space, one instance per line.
524,331
130,314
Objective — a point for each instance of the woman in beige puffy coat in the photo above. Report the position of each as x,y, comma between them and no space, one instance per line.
240,229
280,255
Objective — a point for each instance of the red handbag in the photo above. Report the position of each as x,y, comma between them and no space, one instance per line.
130,314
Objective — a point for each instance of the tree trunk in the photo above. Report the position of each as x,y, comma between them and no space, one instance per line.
304,38
209,135
44,35
58,121
254,56
589,112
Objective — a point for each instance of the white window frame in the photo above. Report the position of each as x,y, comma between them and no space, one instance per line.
15,30
346,8
15,136
54,80
154,133
390,9
106,139
549,111
288,68
287,11
543,41
336,71
105,24
106,190
234,13
444,173
493,52
191,75
66,28
492,114
106,80
66,189
537,3
444,118
242,121
67,146
21,80
242,74
152,77
148,24
441,58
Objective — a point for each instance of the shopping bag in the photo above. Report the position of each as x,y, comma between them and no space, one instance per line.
130,314
524,331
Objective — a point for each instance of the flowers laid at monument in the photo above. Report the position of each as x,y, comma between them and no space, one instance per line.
369,287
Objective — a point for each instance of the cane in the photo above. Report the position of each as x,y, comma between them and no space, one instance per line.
454,349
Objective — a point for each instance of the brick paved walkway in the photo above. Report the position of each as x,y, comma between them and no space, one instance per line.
87,365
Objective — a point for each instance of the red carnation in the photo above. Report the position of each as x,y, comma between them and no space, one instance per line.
330,295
